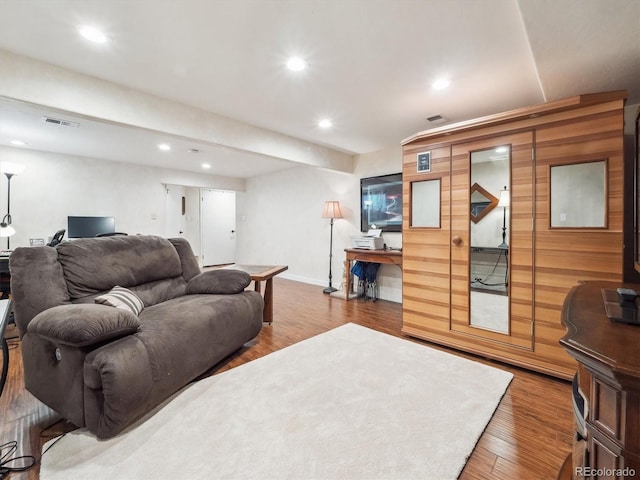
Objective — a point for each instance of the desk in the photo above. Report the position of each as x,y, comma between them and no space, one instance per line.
260,273
392,257
5,276
5,311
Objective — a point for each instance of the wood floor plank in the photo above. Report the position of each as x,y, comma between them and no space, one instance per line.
529,436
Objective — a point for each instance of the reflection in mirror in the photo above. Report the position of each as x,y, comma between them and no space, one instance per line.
482,202
425,203
578,195
489,238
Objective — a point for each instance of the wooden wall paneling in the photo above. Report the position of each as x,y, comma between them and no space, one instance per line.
545,262
426,251
565,257
460,254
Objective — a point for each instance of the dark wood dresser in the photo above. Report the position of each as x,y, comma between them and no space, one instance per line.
608,355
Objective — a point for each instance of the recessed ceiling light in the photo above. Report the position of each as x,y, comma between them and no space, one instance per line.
164,147
92,34
205,165
441,84
18,143
296,64
325,123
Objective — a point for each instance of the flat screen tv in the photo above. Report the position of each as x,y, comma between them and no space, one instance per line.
85,227
381,203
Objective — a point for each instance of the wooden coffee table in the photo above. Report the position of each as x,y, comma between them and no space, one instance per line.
260,273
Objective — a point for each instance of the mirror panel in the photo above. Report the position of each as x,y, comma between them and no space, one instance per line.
578,196
489,240
425,203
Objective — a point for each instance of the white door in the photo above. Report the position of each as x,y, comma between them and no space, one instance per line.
218,224
174,218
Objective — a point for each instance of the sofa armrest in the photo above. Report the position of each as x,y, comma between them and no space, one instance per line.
83,325
221,281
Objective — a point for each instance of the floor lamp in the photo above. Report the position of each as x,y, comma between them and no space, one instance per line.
9,169
331,210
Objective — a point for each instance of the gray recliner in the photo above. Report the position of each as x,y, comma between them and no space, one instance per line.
103,367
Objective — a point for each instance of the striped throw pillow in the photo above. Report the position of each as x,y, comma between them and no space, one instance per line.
122,298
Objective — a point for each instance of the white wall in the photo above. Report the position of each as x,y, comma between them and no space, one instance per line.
278,214
53,186
279,221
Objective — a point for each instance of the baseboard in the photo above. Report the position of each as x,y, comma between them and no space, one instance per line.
384,294
299,278
341,294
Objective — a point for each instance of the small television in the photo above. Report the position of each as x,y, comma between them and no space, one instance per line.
381,203
86,227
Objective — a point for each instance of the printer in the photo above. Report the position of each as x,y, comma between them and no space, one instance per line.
371,241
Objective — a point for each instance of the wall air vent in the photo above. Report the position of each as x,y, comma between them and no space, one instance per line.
436,119
62,123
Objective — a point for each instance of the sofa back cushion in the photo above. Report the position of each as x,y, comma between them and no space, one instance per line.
37,283
95,265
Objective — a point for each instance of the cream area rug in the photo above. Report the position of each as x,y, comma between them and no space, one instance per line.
351,403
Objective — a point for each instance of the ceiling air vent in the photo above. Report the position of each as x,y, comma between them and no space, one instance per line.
436,119
62,123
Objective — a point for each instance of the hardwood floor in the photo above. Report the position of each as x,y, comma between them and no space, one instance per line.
528,438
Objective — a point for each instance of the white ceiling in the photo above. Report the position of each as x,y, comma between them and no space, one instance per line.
108,141
371,62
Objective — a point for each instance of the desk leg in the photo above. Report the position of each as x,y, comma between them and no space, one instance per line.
348,286
5,364
267,313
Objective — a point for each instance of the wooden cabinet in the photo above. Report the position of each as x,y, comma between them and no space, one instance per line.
546,257
609,375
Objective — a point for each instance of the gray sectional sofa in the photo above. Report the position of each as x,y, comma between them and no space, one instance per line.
103,366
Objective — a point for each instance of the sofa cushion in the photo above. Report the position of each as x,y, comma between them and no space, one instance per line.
190,266
36,283
95,265
189,334
83,325
221,281
122,298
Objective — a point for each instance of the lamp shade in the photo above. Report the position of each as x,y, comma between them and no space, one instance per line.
9,168
6,230
331,209
505,198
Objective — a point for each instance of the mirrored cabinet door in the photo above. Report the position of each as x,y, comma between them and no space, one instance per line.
491,279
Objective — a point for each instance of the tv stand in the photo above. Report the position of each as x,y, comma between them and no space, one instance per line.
608,355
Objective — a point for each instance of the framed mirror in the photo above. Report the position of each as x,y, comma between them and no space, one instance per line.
482,202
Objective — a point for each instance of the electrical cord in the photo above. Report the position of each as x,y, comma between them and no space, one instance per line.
11,464
484,282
